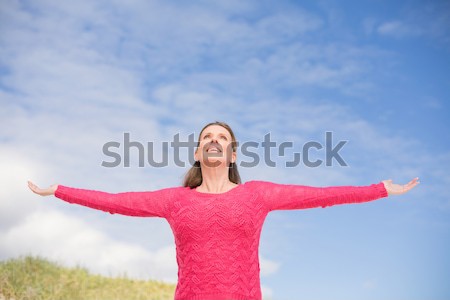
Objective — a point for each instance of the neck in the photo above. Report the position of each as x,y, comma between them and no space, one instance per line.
215,180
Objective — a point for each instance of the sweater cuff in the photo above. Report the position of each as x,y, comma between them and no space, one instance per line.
59,193
382,192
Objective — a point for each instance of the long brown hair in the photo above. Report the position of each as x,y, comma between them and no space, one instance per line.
193,177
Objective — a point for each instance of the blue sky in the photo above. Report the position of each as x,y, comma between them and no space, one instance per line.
74,76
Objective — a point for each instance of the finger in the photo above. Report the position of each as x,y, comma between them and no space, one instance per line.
410,185
414,182
31,186
34,188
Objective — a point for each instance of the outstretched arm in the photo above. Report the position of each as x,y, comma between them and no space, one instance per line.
143,204
289,196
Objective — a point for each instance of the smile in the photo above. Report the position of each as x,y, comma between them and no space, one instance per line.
213,149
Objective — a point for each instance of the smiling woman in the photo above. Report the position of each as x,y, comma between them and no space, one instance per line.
217,155
217,220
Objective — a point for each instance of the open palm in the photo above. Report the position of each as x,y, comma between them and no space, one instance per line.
43,192
398,189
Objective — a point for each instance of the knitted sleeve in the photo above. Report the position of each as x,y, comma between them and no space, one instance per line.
142,204
288,196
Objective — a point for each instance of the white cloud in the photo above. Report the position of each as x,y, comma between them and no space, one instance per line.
267,293
68,240
398,29
431,21
268,267
288,24
17,169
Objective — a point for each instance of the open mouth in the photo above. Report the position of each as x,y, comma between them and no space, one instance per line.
213,149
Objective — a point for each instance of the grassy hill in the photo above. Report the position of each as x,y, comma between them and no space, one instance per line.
32,278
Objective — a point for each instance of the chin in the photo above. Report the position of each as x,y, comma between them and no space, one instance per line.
215,162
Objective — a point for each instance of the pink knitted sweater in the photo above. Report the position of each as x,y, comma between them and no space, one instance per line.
217,235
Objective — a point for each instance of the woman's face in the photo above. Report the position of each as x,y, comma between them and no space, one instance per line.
215,147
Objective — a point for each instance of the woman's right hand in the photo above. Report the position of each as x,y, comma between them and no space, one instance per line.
43,192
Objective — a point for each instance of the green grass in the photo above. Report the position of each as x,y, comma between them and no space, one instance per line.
33,278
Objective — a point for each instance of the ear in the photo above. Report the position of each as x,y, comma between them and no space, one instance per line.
196,155
233,157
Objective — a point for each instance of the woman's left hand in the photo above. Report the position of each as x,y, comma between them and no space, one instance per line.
397,189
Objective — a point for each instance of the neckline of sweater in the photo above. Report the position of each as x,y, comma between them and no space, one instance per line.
218,194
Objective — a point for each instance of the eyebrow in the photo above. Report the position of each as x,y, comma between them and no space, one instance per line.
209,132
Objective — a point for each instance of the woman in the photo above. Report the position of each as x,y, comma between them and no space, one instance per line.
216,220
